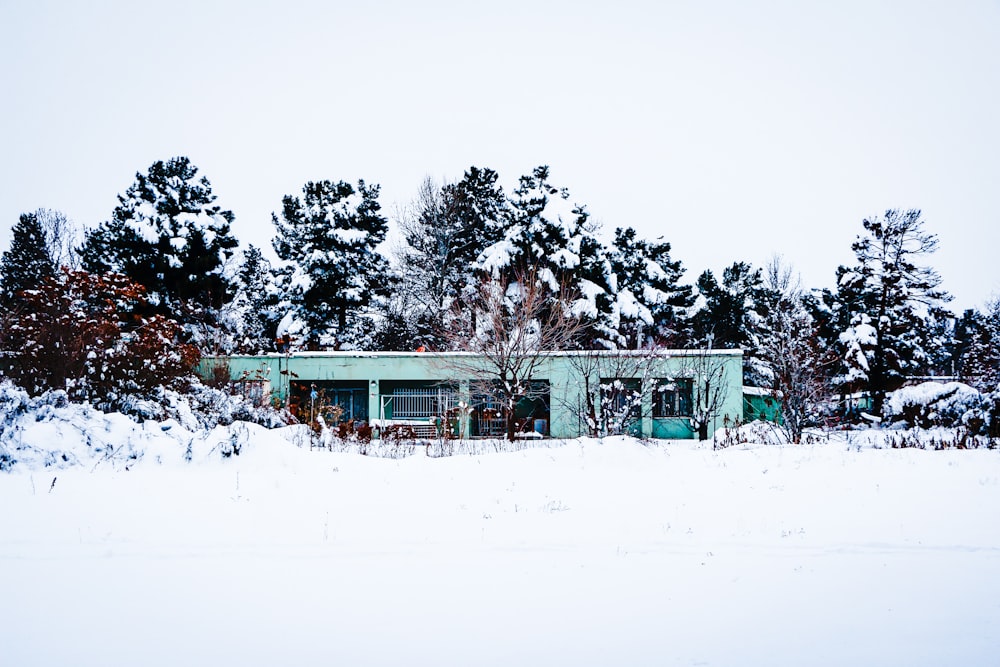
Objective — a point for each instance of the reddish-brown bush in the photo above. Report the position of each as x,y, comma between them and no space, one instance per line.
86,334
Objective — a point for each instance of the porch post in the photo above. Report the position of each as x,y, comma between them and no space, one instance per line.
374,407
646,410
464,395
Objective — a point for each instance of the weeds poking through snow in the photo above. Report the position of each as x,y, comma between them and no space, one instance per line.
940,439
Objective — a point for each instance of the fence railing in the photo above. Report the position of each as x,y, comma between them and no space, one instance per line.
418,403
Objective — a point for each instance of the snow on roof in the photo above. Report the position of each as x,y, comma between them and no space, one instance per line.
566,353
759,391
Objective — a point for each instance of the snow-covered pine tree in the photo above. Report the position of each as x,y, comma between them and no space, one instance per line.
481,210
650,303
328,239
551,238
168,234
939,357
732,314
979,347
404,324
252,315
594,295
445,230
891,301
426,267
26,263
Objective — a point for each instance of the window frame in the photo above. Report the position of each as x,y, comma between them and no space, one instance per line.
673,398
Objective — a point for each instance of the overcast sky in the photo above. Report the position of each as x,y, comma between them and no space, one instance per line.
736,130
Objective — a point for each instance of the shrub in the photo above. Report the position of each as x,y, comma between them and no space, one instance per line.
87,334
949,404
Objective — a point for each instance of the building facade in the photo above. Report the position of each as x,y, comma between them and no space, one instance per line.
675,394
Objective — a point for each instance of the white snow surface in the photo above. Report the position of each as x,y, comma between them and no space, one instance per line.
126,551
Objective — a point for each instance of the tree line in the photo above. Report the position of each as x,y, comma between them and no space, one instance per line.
176,283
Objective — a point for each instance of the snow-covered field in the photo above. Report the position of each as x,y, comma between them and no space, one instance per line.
569,553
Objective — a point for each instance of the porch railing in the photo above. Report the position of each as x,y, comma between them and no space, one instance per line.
418,403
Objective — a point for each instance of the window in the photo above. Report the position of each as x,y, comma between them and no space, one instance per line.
672,398
489,413
621,397
352,402
336,400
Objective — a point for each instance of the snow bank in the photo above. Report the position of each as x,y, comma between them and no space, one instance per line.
50,432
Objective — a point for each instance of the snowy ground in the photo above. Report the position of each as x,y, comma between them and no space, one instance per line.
580,553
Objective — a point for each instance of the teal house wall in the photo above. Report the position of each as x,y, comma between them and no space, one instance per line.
761,405
366,379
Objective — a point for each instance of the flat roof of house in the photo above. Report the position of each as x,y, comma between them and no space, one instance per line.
566,353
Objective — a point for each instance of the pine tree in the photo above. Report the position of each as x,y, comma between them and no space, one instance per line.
978,351
891,302
445,230
27,263
168,235
481,211
328,239
651,304
592,290
543,233
732,315
253,313
550,238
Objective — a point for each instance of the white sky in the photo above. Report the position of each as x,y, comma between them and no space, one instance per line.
735,130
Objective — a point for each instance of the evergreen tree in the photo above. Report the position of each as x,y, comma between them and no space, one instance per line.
542,234
891,301
978,349
939,359
480,207
732,315
445,230
592,290
965,330
328,239
398,328
550,239
168,235
651,304
253,313
27,263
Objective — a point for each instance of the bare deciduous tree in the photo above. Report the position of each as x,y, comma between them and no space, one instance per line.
62,237
708,387
518,323
615,389
795,358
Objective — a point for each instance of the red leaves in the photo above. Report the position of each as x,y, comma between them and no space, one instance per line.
86,333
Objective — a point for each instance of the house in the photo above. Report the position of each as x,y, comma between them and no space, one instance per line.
761,404
663,394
